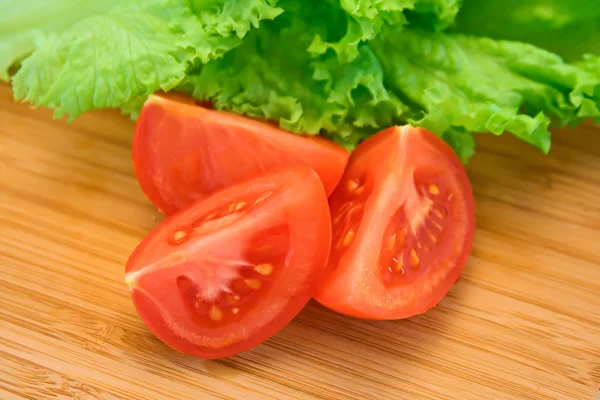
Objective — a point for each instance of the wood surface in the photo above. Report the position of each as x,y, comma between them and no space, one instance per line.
522,323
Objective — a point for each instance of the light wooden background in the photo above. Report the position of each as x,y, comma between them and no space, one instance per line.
522,323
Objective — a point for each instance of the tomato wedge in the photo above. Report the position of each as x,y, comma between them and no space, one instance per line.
403,221
229,271
183,152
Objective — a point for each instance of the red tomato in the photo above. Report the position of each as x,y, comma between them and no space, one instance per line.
403,221
229,271
183,152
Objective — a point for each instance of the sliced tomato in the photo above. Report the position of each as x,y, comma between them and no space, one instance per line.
183,152
229,271
403,221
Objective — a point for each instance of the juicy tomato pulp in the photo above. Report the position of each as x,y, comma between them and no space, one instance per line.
403,221
183,152
229,271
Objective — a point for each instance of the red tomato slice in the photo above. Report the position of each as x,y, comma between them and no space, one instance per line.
403,220
229,271
183,152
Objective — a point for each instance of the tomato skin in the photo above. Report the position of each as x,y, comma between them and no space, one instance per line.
403,223
283,219
183,152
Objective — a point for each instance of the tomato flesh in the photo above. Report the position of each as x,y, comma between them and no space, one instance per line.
403,221
183,152
229,271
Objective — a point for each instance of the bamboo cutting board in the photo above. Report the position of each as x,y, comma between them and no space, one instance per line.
522,323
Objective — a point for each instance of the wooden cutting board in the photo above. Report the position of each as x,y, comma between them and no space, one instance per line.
522,323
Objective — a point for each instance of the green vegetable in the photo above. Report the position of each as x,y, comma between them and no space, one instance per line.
569,28
343,68
448,83
24,23
481,85
131,51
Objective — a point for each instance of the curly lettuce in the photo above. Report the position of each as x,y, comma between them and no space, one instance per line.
23,25
340,68
568,28
451,84
136,48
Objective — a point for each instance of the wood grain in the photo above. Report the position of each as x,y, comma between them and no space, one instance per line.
522,323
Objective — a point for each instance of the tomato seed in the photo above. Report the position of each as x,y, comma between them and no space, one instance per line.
348,238
434,189
253,283
215,313
414,259
432,237
352,185
399,264
236,206
210,216
391,242
264,269
179,235
263,197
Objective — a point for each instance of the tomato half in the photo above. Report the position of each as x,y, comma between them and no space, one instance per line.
229,271
183,152
403,221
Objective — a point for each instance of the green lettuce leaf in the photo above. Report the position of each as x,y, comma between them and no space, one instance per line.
272,75
361,21
131,51
341,68
277,73
268,77
454,85
481,85
434,15
24,23
569,28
